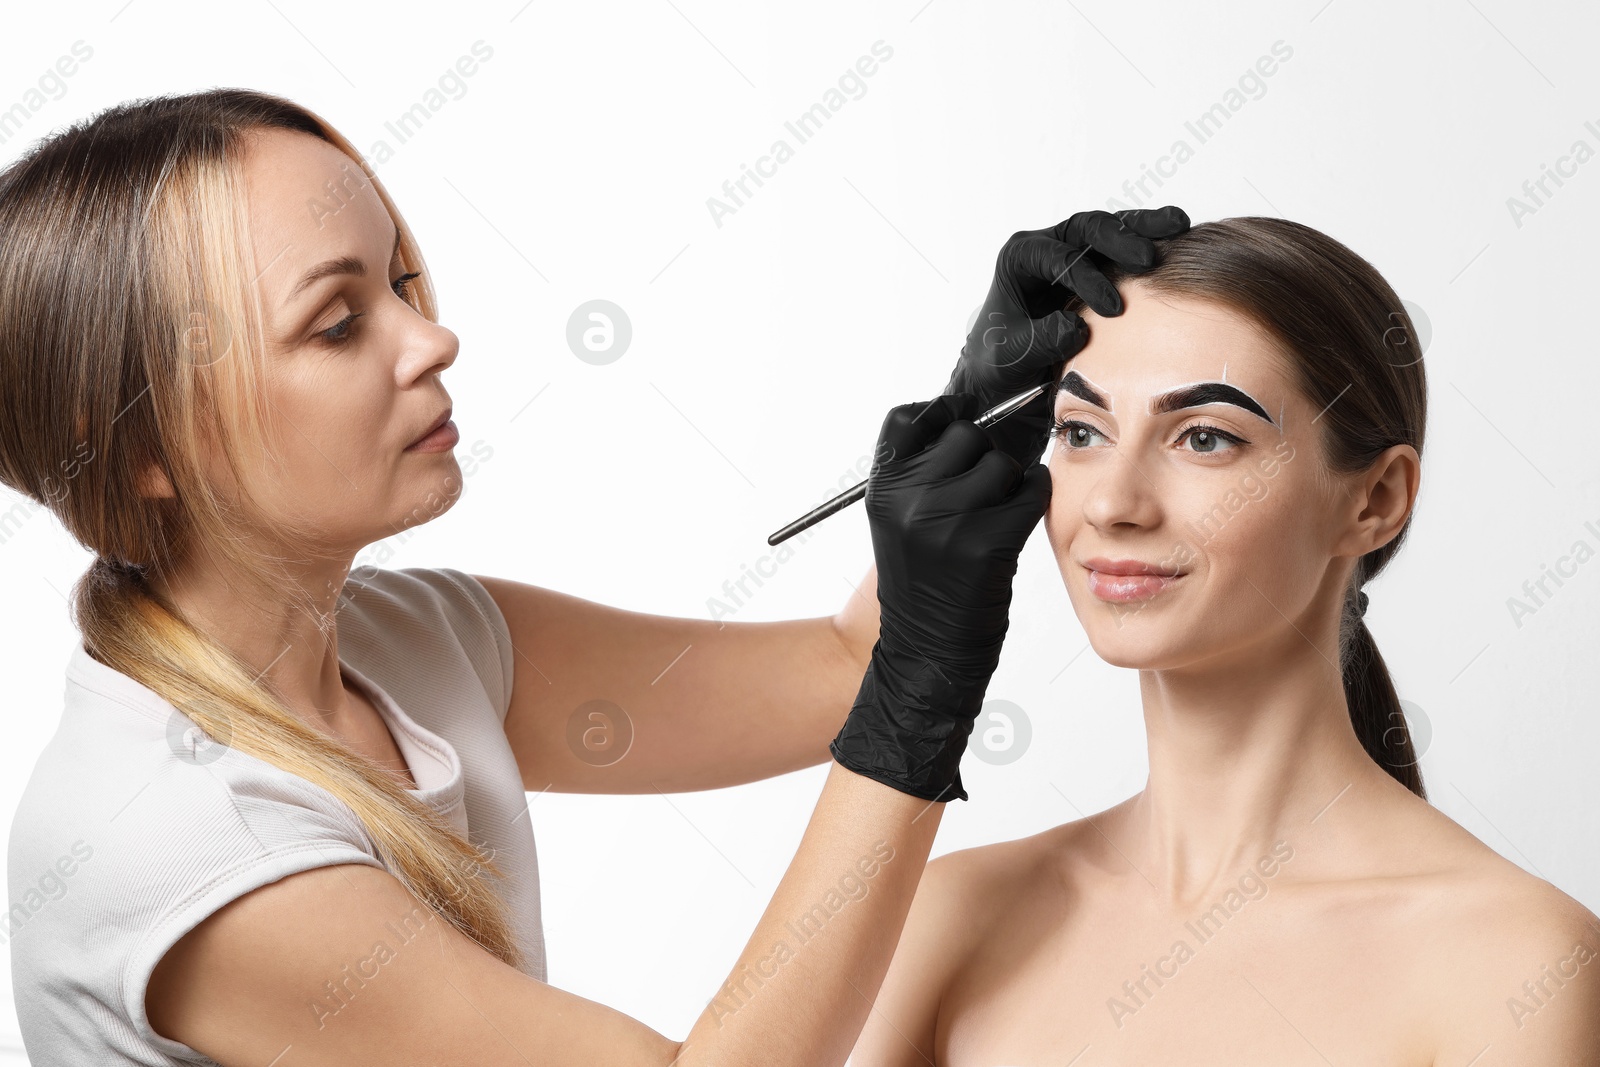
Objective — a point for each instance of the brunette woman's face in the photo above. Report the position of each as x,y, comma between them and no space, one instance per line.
1187,450
353,367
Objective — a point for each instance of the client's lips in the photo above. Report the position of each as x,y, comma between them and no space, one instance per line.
1128,566
1123,580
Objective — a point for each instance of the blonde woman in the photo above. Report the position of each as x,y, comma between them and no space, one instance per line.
283,819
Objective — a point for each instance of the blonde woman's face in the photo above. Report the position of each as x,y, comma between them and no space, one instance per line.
1217,487
354,369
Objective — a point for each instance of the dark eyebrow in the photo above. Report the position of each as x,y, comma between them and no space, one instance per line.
1207,393
328,268
1188,397
1073,383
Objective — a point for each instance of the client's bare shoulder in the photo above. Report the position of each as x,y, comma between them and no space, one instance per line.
1515,960
1477,951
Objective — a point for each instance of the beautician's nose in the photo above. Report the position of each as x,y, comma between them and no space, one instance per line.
431,349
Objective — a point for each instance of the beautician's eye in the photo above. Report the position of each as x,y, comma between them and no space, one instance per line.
339,333
400,284
1210,437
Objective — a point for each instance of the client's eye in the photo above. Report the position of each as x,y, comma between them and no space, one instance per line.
1209,438
1073,432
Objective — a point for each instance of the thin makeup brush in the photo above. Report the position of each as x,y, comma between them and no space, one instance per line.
851,495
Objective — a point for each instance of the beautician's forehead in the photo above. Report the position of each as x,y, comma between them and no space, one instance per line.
309,202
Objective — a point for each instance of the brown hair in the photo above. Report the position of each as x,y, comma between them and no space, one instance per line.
1354,354
131,339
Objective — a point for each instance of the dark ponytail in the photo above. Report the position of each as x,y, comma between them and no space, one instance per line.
1375,710
1353,351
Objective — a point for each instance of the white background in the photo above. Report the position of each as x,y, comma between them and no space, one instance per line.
577,164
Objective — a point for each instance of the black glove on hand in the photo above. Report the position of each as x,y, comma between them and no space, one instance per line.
1022,337
948,522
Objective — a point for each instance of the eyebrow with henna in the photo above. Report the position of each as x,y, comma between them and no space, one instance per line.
1187,397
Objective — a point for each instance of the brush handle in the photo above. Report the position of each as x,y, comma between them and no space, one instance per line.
822,511
859,490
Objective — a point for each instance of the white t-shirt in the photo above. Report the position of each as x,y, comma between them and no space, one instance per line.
135,826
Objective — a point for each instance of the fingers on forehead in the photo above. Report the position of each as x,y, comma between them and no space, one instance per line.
1106,234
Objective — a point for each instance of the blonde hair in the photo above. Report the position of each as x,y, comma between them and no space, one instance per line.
130,338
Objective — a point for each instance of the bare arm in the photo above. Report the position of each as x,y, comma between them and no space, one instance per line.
243,985
812,1010
708,704
947,911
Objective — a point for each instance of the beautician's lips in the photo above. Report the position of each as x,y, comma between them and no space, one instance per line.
440,421
1123,580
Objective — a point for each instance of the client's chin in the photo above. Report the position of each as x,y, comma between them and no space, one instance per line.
1130,625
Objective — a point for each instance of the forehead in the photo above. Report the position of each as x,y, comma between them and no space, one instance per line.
308,202
1161,340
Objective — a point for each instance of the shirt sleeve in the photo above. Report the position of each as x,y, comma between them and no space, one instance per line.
220,847
479,625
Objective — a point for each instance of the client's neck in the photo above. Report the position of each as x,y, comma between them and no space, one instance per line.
1247,765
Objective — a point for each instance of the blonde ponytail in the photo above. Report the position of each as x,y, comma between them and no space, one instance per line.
130,339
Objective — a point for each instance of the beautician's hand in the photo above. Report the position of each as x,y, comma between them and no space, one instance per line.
949,515
1022,337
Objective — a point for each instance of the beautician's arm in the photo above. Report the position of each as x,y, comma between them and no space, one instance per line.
272,976
710,704
263,979
956,901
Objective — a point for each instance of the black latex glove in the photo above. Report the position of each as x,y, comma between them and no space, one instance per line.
949,515
1022,336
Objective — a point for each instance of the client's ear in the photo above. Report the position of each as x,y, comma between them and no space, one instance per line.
1381,500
